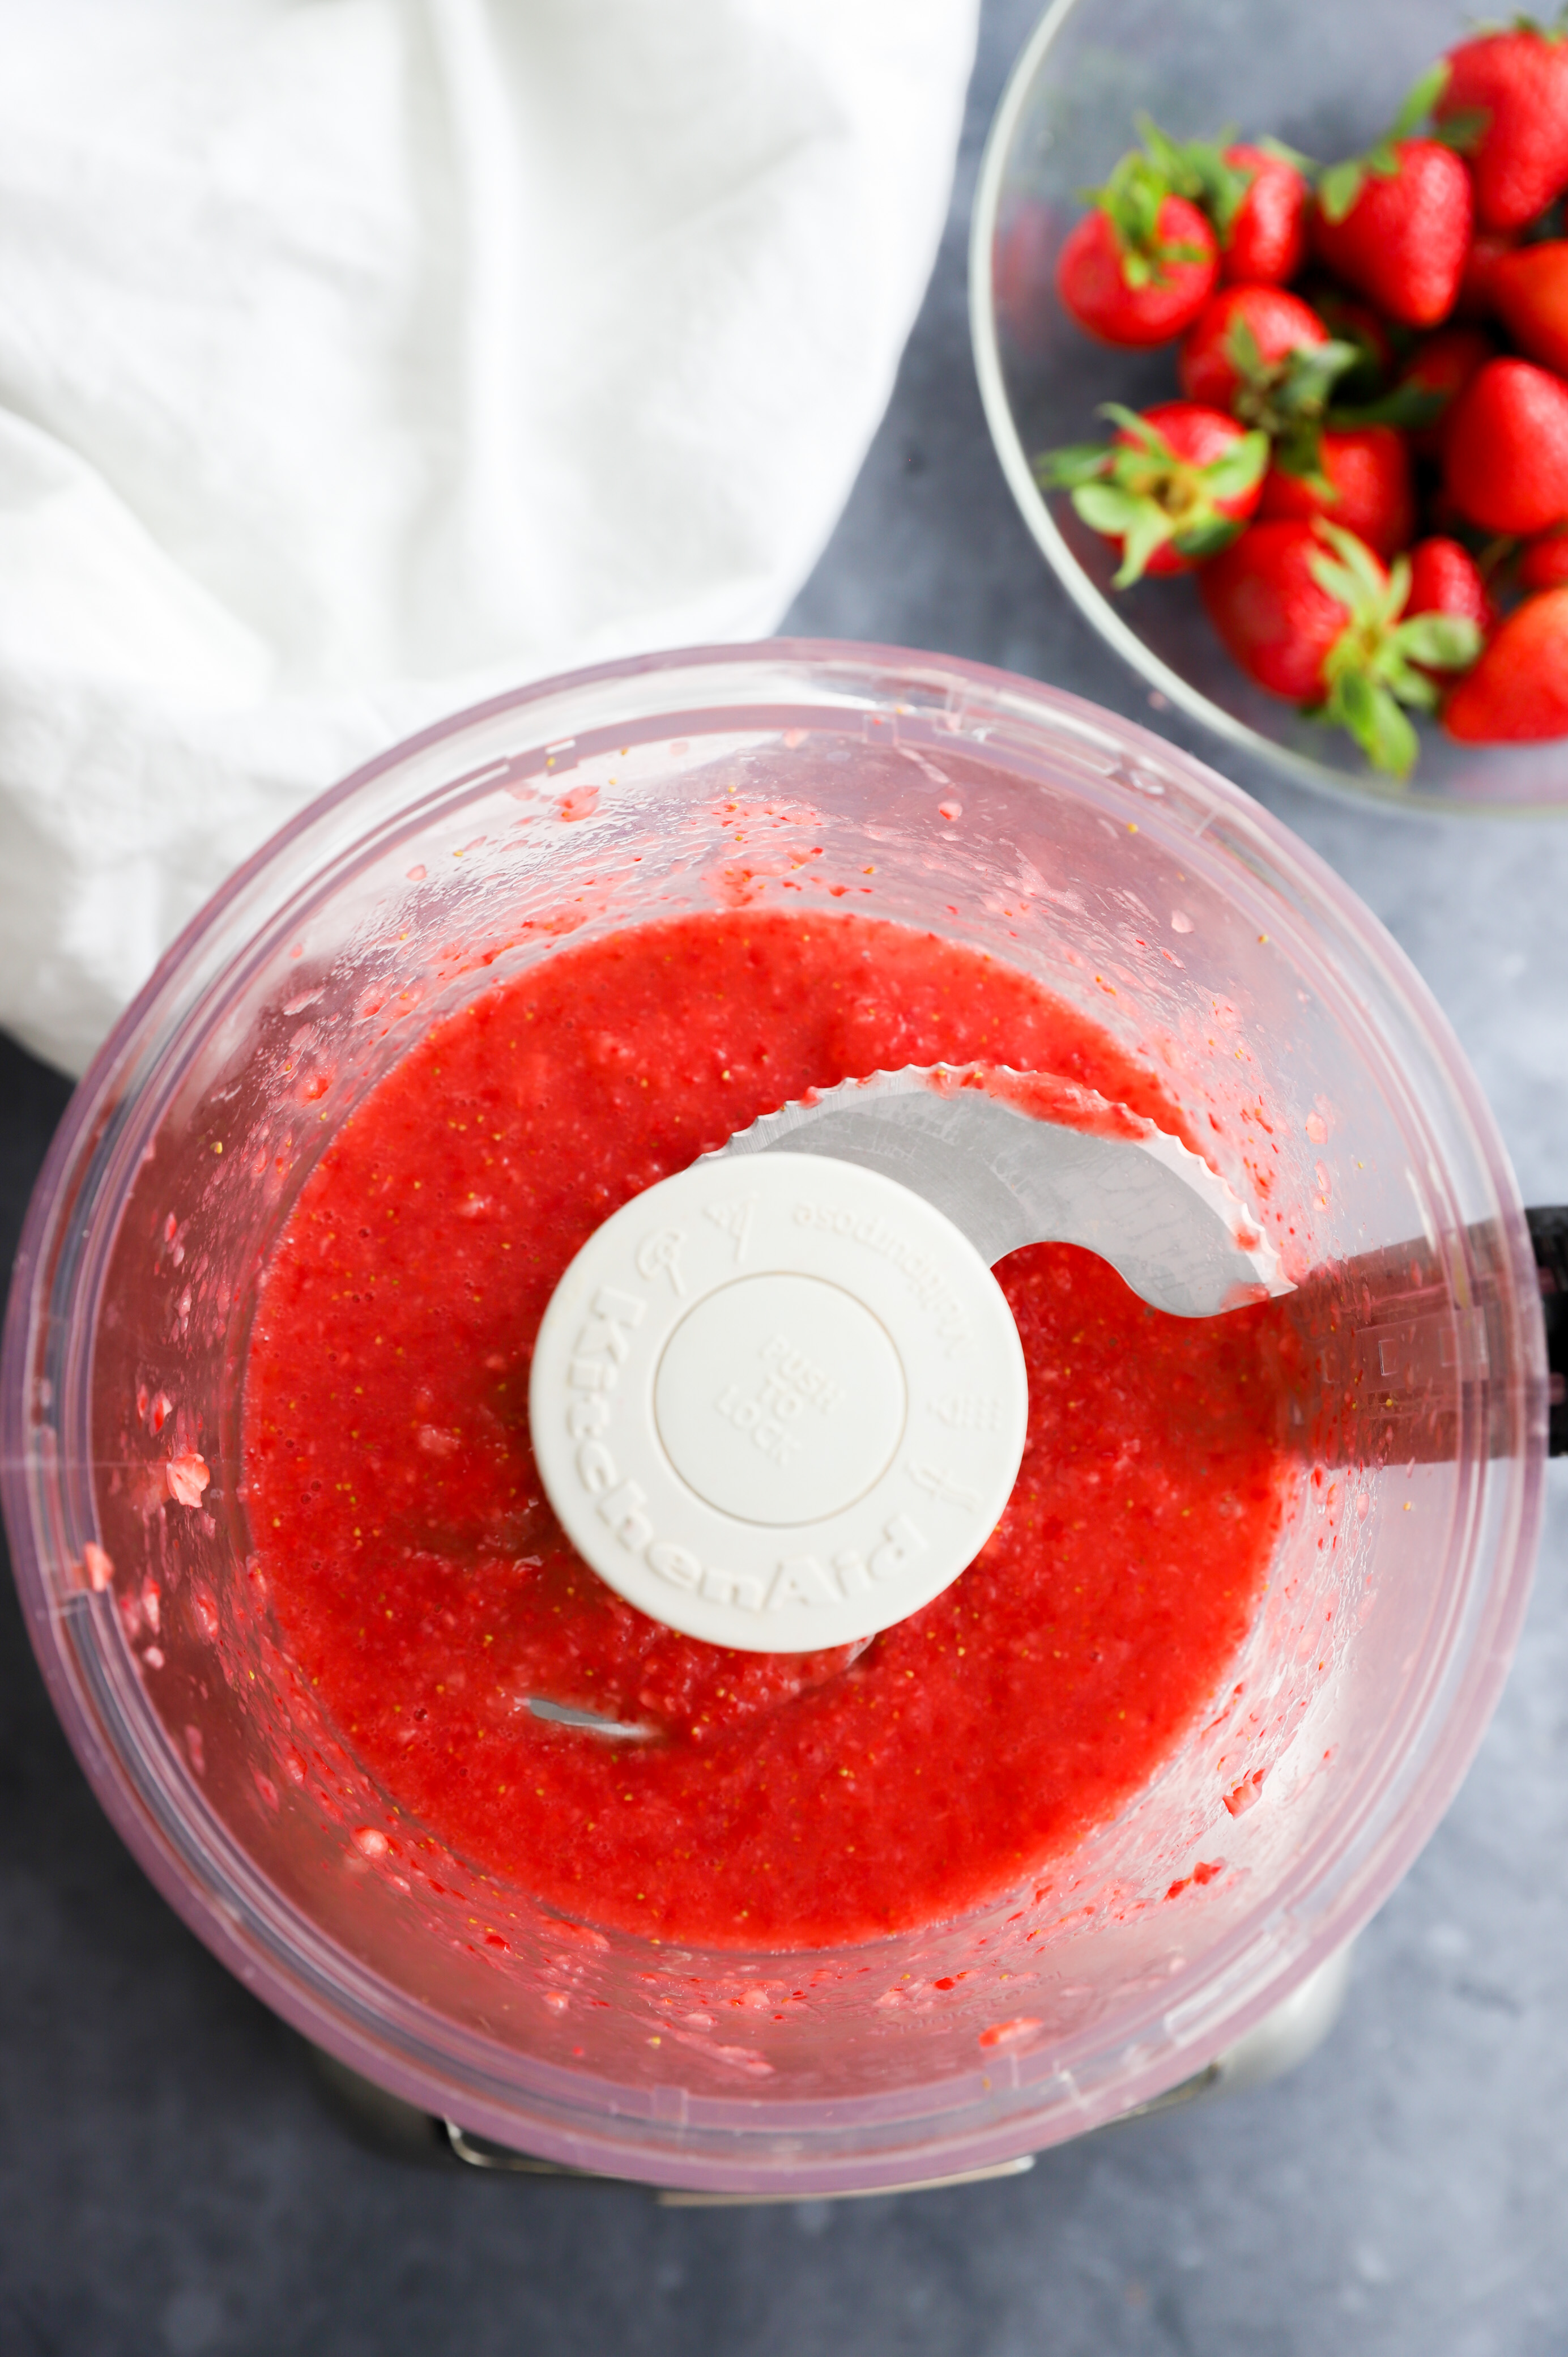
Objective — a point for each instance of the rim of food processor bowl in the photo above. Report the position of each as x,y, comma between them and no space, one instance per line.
1017,2102
1032,505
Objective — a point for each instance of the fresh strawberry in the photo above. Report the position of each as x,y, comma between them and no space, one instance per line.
1518,692
1263,355
1530,290
1310,613
1506,102
1255,197
1505,454
1543,562
1239,334
1264,242
1440,368
1263,596
1444,578
1171,488
1140,267
1395,223
1476,298
1361,481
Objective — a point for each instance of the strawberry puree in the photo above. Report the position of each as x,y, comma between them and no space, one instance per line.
422,1584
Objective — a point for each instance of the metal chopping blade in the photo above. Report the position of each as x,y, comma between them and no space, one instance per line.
979,1143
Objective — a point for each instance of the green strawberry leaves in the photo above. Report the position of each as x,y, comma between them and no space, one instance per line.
1521,22
1288,398
1378,663
1131,201
1232,475
1418,102
1137,523
1464,130
1197,169
1068,468
1341,184
1284,152
1374,720
1200,170
1354,577
1408,406
1440,642
1145,494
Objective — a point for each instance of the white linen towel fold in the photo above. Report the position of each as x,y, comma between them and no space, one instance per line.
362,358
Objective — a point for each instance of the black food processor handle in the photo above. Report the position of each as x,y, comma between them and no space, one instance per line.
1394,1350
1549,1234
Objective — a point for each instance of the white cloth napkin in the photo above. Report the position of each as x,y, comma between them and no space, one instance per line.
360,358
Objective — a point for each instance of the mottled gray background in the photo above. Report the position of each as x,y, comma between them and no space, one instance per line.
171,2181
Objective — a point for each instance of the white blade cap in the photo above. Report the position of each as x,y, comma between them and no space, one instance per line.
779,1405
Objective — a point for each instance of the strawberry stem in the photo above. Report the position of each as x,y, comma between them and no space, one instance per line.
1378,663
1419,101
1141,492
1197,169
1132,201
1287,398
1341,184
1408,406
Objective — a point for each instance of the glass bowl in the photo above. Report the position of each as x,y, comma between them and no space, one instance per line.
1136,885
1327,78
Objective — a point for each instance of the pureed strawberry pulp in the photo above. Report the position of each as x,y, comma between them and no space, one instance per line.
426,1589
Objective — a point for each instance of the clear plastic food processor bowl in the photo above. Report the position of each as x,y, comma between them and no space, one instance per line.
820,778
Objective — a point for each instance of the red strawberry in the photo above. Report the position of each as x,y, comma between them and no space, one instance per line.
1518,692
1361,481
1255,197
1263,355
1478,288
1309,612
1140,267
1530,288
1395,223
1513,88
1168,490
1276,618
1543,564
1440,368
1444,578
1264,241
1505,454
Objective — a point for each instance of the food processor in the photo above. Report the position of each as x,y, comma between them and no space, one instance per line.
1139,888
